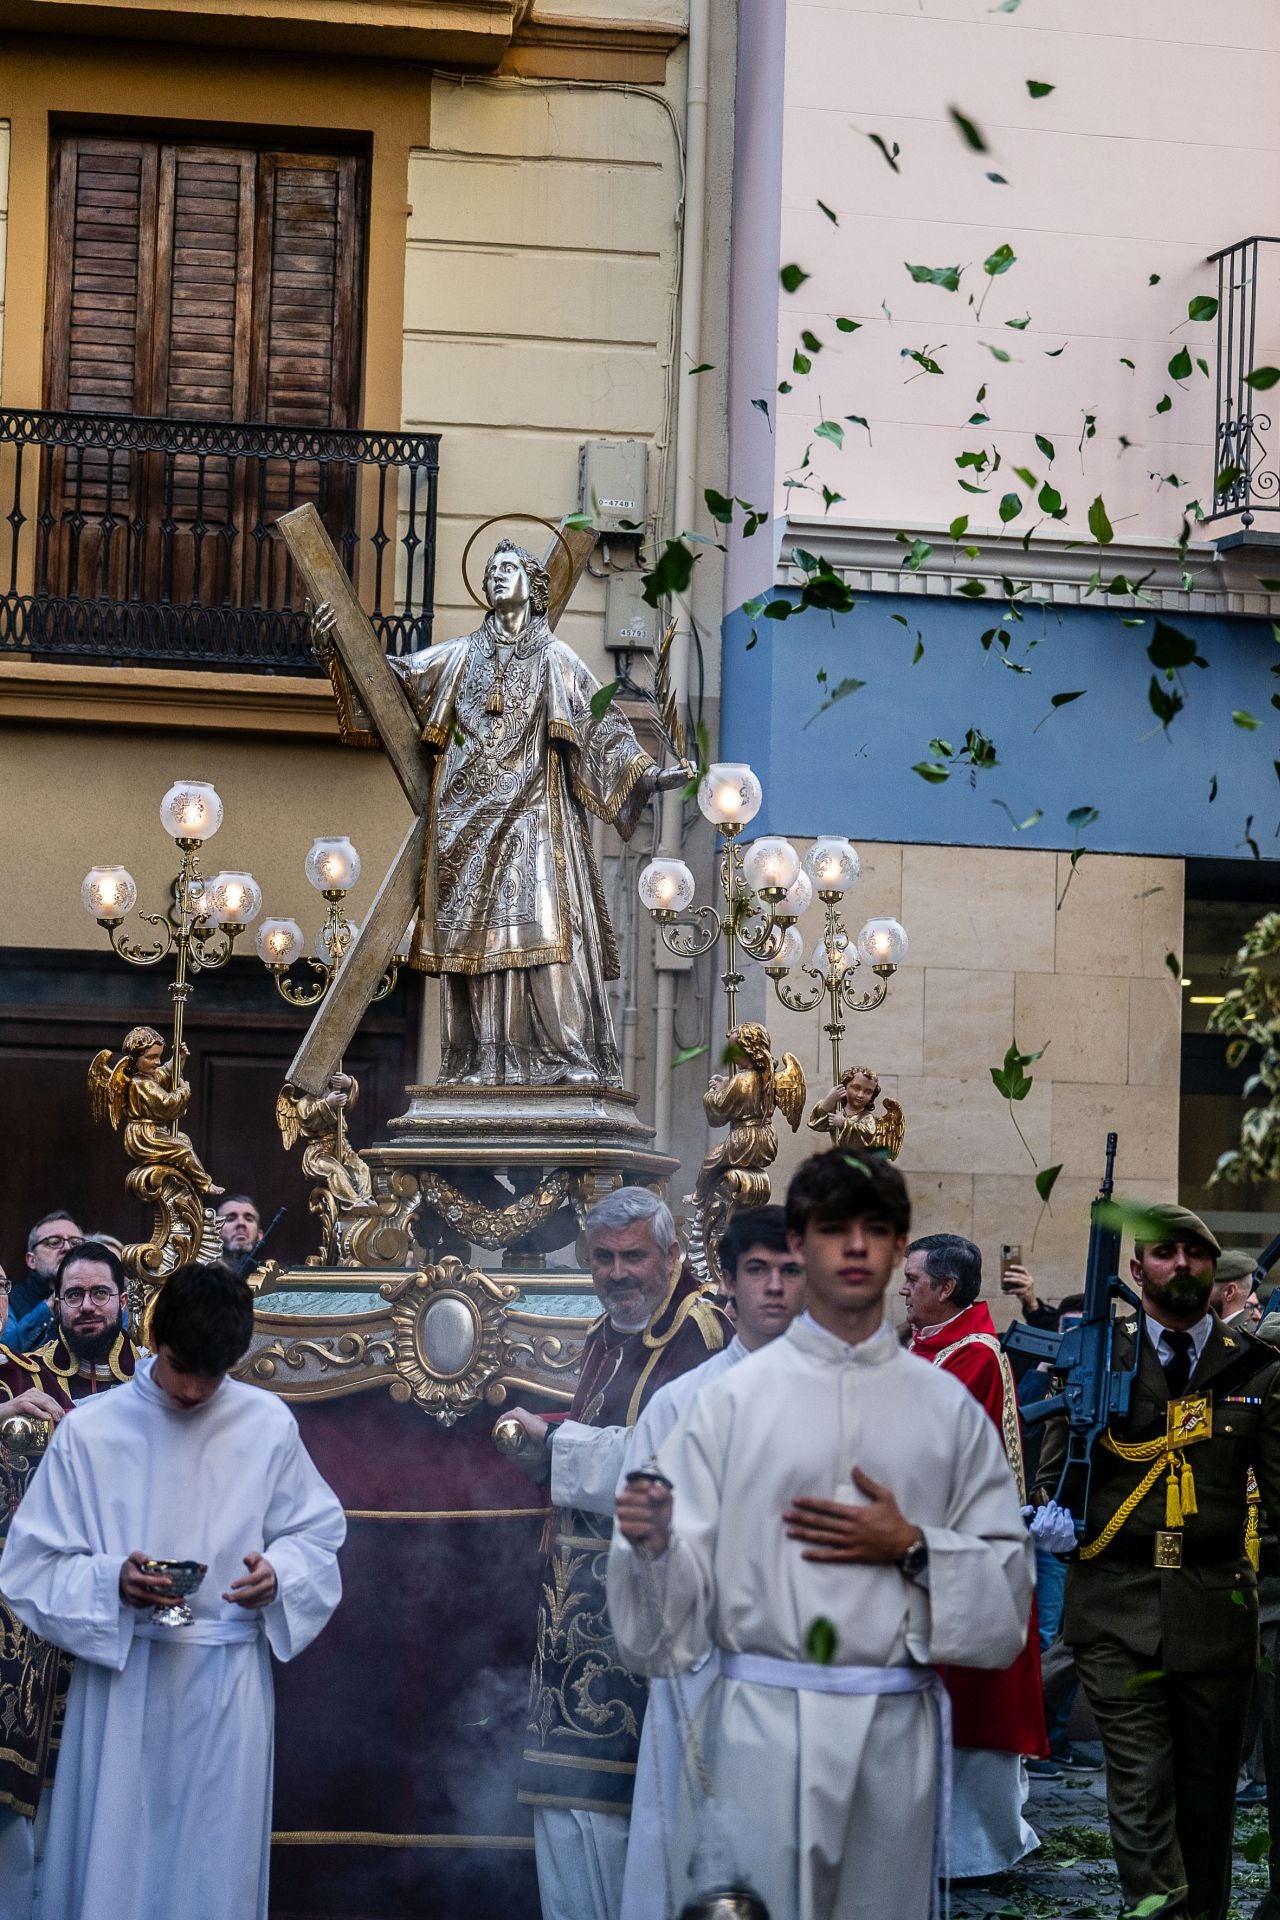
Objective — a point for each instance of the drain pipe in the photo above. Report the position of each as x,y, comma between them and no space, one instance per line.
689,354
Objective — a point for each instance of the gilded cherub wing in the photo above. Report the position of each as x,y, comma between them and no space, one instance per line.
287,1118
107,1091
892,1129
789,1090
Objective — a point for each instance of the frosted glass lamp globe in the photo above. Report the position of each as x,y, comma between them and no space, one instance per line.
108,893
279,943
333,865
236,899
770,866
832,864
795,900
729,794
666,886
191,810
790,952
883,943
840,960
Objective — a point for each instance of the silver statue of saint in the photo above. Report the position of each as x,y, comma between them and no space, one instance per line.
512,913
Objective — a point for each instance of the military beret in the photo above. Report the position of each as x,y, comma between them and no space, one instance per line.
1237,1263
1175,1223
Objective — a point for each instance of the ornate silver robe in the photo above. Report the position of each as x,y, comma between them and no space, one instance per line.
512,914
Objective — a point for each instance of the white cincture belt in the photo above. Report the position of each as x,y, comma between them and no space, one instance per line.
802,1676
200,1633
764,1670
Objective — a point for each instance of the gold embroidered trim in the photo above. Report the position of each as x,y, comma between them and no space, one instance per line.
349,733
572,1760
1010,1431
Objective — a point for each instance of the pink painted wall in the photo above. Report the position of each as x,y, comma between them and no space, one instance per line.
1160,143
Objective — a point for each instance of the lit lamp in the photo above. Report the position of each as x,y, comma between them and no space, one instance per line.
332,867
108,893
729,795
882,944
207,916
666,887
833,865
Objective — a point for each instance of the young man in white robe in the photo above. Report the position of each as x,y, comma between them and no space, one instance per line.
162,1798
764,1281
834,1500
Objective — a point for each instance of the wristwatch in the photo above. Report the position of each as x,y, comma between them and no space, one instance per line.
915,1559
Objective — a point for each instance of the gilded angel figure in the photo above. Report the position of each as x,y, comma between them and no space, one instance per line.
733,1175
328,1156
848,1114
149,1095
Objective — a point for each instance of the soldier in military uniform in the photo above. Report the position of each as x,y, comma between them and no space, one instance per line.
1162,1597
88,1354
585,1708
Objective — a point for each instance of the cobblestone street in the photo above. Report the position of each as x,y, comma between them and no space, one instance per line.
1071,1876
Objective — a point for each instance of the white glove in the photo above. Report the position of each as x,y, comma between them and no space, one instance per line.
1051,1527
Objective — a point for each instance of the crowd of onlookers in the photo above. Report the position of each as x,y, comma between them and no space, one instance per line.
28,1300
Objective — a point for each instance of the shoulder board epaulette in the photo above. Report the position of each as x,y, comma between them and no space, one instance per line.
1255,1358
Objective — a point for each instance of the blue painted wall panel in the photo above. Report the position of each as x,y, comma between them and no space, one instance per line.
849,770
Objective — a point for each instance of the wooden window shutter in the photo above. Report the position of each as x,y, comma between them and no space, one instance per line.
204,283
102,252
309,277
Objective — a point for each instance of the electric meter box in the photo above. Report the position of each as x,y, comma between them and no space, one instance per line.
630,623
612,485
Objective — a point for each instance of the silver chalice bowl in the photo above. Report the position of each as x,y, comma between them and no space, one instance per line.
184,1577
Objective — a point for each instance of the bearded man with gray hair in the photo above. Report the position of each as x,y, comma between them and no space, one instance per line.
585,1707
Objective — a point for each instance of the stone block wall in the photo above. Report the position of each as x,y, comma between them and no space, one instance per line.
1009,944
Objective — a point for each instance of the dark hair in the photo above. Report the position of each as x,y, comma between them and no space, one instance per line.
838,1186
204,1315
236,1200
100,1256
1074,1303
753,1227
949,1256
59,1213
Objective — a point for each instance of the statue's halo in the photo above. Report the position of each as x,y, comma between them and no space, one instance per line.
559,580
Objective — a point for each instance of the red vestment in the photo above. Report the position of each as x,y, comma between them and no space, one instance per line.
999,1712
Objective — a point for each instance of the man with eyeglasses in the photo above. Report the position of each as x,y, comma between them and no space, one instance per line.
88,1354
47,1242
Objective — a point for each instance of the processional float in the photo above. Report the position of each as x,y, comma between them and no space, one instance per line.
451,1248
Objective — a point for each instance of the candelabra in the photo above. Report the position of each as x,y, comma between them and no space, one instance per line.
332,867
762,893
207,917
833,866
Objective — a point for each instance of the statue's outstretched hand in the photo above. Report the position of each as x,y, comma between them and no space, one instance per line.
678,776
323,621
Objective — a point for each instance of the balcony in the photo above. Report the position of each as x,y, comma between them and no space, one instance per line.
467,33
132,541
1246,449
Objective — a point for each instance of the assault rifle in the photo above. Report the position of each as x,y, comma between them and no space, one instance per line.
1266,1260
1096,1386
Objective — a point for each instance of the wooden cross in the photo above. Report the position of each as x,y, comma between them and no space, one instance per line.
386,702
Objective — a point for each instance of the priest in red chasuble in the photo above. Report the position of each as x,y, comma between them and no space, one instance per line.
578,1764
998,1717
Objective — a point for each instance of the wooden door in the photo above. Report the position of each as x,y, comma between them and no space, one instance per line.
196,282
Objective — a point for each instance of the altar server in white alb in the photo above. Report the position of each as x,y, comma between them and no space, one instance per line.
831,1482
162,1800
764,1280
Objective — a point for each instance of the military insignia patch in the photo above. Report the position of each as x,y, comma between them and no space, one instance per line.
1190,1419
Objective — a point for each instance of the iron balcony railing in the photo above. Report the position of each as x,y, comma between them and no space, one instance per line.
1246,460
133,539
